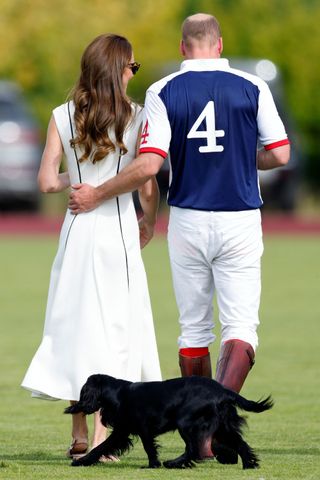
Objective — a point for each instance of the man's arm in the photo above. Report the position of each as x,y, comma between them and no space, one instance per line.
276,157
85,197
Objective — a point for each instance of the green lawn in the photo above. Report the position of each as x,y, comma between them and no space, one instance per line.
34,434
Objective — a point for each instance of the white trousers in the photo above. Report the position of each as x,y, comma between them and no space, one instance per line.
216,252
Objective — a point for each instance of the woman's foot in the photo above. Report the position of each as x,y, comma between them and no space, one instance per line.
79,445
78,448
109,458
106,458
99,436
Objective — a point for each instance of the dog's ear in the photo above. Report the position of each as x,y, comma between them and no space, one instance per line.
90,398
111,398
73,409
111,390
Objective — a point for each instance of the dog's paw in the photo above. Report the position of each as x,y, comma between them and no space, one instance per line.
171,464
178,463
252,463
76,463
225,455
189,464
151,466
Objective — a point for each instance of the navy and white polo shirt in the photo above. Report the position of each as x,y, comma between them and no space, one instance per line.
209,117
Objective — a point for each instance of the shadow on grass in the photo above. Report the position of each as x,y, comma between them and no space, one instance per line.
289,451
57,457
44,458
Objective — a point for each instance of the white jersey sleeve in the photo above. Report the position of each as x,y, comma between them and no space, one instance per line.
271,130
156,130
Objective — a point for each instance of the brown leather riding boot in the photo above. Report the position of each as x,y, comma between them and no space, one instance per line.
235,361
198,366
195,366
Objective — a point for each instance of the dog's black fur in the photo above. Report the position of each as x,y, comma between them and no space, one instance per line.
199,408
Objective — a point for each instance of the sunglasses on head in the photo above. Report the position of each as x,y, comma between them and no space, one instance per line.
134,67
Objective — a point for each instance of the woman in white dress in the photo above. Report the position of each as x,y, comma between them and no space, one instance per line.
98,317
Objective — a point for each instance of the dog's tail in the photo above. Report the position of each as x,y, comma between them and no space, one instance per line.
251,405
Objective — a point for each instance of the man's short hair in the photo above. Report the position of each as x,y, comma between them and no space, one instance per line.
200,27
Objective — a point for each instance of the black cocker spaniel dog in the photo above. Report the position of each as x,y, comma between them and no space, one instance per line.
198,407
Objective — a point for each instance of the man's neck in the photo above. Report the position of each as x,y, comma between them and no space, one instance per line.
201,50
198,54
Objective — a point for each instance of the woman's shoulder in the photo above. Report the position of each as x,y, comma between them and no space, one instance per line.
64,109
136,108
63,114
136,113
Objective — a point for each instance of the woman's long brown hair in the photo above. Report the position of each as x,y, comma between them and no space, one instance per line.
101,104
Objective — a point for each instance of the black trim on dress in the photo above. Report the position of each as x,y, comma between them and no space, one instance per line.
79,172
68,232
74,148
120,224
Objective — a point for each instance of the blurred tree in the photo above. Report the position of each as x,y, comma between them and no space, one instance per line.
41,44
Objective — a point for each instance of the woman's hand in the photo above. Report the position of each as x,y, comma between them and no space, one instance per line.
146,231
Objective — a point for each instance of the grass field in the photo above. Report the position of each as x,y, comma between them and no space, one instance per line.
34,434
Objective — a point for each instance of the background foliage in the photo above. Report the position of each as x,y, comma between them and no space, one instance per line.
41,44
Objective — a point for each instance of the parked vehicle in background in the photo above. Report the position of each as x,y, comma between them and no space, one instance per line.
279,187
20,151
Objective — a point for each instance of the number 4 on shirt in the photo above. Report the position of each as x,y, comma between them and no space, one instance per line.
144,134
211,134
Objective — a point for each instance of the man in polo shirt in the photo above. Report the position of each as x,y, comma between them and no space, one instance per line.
209,117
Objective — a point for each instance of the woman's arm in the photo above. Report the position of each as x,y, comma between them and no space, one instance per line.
149,201
49,178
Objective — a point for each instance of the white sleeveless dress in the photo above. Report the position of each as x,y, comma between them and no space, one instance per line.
98,317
